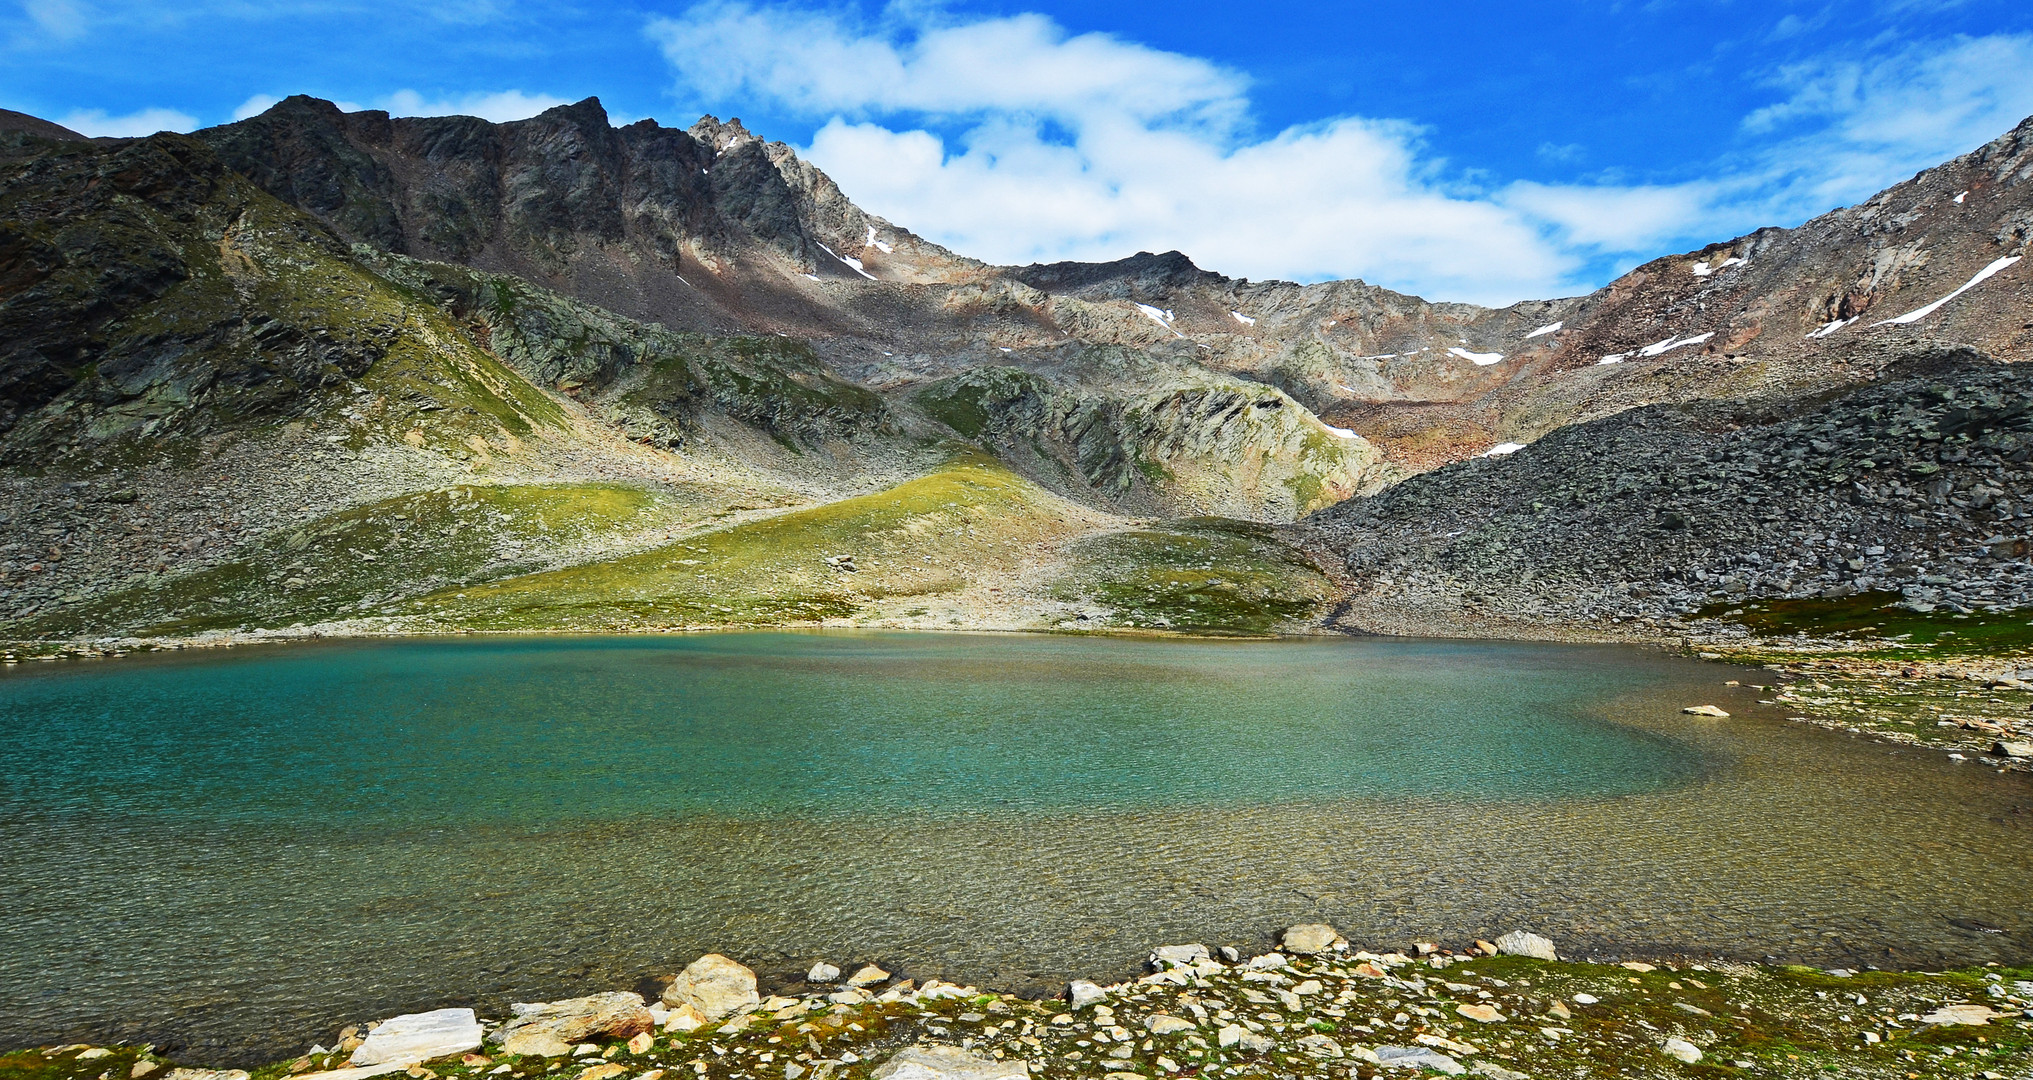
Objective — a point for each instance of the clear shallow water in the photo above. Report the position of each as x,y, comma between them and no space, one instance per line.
241,851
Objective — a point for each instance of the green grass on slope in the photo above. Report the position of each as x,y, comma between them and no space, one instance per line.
361,561
1875,618
928,536
1204,575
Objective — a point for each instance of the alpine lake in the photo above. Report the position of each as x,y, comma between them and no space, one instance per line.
234,851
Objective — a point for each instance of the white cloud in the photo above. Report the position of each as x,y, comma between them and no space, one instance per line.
1850,125
499,106
61,19
1011,140
96,122
255,106
1091,147
1020,64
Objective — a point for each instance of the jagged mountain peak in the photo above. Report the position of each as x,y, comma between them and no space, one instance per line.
720,136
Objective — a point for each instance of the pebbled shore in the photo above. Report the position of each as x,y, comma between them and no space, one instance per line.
1318,1008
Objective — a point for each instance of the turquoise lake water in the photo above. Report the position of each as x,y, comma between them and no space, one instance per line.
237,852
756,725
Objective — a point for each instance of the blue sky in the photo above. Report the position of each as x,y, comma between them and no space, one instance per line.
1475,151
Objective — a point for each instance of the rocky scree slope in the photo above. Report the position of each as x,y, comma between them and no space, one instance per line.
1915,485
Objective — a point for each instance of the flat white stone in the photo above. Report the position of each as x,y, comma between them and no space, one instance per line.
414,1037
356,1074
1682,1050
948,1063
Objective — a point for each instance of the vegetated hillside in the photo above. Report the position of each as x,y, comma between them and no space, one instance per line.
220,416
272,352
1912,488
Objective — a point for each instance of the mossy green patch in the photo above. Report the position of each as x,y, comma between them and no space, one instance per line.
1204,575
365,560
924,537
1878,618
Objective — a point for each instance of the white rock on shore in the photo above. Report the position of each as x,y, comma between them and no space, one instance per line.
419,1037
1310,939
715,986
553,1028
1178,955
1523,943
934,1062
1417,1057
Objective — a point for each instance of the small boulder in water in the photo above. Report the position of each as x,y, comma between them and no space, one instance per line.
1704,710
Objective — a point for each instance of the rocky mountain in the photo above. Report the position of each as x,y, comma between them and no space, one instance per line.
1909,488
338,370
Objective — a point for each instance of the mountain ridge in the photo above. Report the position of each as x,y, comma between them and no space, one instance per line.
701,316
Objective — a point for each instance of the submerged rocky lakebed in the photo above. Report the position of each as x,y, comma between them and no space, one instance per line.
228,853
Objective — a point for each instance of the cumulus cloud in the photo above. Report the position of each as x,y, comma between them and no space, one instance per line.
1013,140
255,106
97,123
1848,124
499,106
1092,147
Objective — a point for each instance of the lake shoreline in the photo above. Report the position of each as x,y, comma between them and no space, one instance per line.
1313,1003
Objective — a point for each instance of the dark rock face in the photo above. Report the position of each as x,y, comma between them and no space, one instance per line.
649,221
118,268
1917,482
36,127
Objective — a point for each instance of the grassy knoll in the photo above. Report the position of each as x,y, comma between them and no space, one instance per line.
970,520
1203,575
